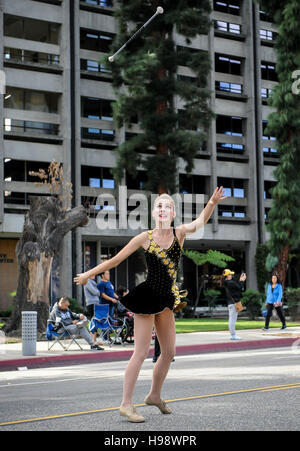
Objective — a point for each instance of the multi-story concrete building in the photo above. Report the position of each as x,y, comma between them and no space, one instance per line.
57,106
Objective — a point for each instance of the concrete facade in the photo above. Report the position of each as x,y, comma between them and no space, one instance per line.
70,80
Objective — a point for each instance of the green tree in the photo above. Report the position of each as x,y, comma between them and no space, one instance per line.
146,82
284,124
262,273
213,257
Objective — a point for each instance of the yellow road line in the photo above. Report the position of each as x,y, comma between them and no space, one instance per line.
283,388
64,415
111,409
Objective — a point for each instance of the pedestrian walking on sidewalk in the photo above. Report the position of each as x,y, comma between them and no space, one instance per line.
274,300
154,300
233,290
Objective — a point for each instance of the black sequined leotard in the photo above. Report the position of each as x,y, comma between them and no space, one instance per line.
159,291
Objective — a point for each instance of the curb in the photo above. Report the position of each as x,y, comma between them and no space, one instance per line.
107,356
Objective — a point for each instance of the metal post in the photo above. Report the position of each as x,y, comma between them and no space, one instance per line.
29,333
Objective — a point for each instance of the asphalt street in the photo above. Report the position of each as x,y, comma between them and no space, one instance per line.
256,390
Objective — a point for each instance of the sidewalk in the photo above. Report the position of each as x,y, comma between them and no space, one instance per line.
11,357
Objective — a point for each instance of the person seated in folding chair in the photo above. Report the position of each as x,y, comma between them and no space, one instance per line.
62,315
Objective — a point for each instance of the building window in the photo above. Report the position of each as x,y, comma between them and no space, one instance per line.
31,29
265,93
230,148
30,127
192,184
267,189
18,170
227,27
228,64
229,87
266,215
97,177
268,71
265,136
267,35
51,2
270,152
14,170
233,187
230,125
231,211
98,134
138,182
26,56
265,17
102,3
96,41
228,6
94,108
94,66
25,99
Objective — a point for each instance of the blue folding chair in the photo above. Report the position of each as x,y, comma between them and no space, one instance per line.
112,330
56,337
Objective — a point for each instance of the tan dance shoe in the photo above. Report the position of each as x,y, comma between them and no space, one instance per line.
161,405
131,414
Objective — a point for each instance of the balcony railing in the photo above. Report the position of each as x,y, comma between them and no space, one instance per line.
30,127
19,56
102,3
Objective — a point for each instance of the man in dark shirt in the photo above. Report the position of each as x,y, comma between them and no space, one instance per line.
107,292
234,292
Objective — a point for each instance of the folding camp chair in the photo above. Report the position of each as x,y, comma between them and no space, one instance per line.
112,329
51,335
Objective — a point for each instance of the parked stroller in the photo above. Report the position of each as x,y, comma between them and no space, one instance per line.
127,319
122,312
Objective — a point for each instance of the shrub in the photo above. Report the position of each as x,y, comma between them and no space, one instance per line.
253,301
293,301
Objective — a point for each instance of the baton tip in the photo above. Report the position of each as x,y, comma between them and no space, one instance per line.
111,59
160,10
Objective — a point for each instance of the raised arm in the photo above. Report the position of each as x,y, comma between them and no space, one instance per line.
206,213
129,249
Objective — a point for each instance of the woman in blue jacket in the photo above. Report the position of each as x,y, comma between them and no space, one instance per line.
274,299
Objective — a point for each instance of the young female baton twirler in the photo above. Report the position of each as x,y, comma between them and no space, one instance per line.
154,301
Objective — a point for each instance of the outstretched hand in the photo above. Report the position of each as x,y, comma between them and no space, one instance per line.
81,279
218,195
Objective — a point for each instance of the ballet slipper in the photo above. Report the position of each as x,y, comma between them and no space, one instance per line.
161,405
131,414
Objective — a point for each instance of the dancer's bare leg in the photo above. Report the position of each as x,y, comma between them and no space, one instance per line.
166,333
143,325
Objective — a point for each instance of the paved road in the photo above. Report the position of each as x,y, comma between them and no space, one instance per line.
249,390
